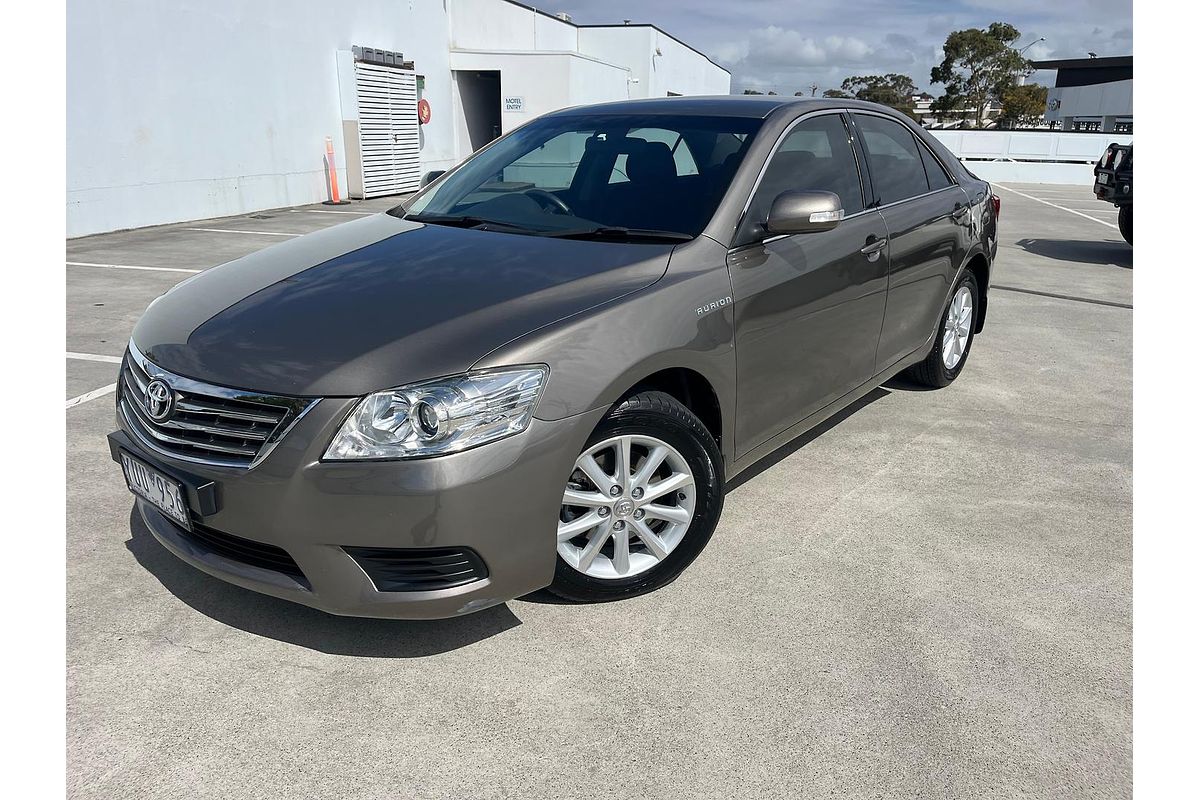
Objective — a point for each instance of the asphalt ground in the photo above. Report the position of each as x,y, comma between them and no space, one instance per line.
928,596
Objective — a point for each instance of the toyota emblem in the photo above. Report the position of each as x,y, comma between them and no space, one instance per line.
160,400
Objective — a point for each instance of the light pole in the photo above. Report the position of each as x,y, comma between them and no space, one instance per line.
1021,52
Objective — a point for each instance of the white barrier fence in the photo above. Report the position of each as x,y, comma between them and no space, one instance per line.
1030,156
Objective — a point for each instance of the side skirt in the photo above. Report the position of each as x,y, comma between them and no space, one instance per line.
816,418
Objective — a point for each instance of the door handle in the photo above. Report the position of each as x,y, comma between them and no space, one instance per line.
873,248
960,211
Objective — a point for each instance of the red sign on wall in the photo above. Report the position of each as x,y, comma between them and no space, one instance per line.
423,112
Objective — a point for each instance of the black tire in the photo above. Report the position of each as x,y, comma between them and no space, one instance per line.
662,416
933,371
1125,222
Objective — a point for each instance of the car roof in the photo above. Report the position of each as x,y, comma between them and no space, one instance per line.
746,106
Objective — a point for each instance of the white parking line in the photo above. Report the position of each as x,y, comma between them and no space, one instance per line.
129,266
92,395
1054,205
324,211
94,357
1090,208
252,233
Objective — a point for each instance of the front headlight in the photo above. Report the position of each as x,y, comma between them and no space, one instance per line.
440,416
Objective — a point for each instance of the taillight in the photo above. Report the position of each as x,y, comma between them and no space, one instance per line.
996,206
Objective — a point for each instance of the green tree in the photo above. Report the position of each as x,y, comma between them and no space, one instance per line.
835,93
1023,104
978,65
751,91
889,90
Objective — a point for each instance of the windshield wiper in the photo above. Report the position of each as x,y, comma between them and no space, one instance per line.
616,232
458,221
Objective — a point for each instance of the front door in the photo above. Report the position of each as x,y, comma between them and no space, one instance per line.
808,306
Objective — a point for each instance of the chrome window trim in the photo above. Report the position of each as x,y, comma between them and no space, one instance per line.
295,407
762,170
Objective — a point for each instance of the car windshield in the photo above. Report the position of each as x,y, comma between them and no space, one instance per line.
618,177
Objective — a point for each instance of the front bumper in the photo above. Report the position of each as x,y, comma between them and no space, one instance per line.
500,500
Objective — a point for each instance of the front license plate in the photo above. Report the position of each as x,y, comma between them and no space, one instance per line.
165,493
1102,177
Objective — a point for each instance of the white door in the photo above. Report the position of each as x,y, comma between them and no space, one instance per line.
389,134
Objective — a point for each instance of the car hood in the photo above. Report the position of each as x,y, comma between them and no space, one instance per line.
380,302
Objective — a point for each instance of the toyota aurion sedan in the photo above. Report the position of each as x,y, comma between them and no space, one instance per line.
544,369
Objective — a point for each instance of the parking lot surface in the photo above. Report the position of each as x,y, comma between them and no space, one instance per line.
928,596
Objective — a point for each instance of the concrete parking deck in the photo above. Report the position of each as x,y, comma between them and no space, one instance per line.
929,596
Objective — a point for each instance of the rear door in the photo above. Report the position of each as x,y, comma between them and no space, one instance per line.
927,220
808,306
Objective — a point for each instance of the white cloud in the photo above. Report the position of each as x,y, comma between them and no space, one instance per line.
774,46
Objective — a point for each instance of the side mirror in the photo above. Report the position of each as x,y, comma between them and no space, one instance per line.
805,212
430,177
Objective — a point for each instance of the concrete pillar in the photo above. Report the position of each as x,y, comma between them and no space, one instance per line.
1108,124
1068,123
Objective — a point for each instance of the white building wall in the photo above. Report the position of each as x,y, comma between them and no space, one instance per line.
498,25
626,45
681,70
204,108
1098,100
545,81
678,70
189,109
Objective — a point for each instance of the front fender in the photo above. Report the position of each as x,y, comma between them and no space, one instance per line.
683,320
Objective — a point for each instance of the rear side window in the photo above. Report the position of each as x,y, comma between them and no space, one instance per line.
897,170
934,172
815,154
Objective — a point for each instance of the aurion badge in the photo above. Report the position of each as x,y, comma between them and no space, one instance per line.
160,400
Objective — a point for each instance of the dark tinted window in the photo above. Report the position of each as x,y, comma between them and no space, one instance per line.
896,169
816,154
938,179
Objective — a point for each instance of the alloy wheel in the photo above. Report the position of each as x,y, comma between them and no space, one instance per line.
957,330
627,506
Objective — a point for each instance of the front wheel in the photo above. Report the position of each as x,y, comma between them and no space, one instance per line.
640,503
953,341
1125,222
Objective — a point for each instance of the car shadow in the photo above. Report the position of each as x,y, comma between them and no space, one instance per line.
293,623
803,439
546,597
899,383
1114,253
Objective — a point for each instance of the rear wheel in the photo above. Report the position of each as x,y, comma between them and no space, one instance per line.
1125,222
953,341
641,502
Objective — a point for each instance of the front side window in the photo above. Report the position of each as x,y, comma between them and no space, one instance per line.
575,174
897,171
814,155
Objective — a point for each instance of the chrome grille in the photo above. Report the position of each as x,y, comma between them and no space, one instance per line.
208,424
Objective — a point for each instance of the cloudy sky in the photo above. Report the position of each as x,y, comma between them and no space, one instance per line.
788,45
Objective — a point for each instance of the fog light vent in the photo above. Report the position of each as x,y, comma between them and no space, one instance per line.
419,569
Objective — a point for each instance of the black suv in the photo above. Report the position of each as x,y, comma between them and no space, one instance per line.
1114,184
